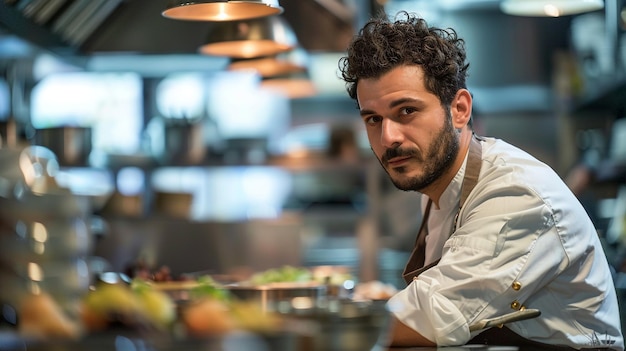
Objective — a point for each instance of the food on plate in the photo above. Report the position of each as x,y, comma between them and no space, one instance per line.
284,274
42,317
207,316
373,290
212,310
141,270
209,309
157,306
208,287
135,305
108,304
211,316
207,312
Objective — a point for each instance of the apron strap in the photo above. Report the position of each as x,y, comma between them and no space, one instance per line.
474,160
415,265
417,257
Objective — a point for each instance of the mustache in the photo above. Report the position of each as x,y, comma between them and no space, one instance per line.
398,152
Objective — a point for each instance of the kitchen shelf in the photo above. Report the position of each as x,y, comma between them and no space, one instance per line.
309,163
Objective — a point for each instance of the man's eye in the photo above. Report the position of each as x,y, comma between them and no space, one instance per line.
372,120
407,110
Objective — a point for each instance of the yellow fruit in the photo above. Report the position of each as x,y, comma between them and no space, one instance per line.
157,306
107,302
112,298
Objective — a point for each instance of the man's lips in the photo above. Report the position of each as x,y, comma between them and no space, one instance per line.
398,161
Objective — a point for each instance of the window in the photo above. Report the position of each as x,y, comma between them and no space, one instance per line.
109,103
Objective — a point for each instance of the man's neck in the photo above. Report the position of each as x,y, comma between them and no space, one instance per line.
437,188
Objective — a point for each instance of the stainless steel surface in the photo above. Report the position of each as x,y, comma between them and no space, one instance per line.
346,325
130,340
273,297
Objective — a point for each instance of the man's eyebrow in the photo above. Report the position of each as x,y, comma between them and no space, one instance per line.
392,104
366,112
395,103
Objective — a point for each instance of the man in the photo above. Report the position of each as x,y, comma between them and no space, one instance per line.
501,232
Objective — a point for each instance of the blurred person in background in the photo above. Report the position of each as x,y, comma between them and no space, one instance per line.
501,231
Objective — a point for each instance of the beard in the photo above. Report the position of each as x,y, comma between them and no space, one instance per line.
435,161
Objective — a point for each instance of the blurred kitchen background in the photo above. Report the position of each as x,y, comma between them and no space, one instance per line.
222,161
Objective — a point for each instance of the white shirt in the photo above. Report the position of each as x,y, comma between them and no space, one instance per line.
440,220
522,225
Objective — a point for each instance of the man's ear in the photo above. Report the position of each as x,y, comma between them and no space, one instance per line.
461,108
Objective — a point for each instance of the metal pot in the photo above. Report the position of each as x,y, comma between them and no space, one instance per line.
71,145
184,143
276,295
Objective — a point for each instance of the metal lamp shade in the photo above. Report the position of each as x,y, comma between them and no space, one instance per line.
251,38
291,87
549,8
221,10
294,61
266,66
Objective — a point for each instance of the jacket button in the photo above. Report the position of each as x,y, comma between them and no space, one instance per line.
516,285
516,305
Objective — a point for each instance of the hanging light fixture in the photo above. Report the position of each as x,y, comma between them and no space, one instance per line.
266,66
291,87
285,73
549,8
221,10
294,61
250,38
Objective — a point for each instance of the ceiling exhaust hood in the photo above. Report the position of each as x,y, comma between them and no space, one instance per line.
86,27
56,23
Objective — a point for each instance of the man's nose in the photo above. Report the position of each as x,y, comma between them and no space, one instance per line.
391,133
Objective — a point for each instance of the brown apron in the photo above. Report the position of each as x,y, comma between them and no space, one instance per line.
415,265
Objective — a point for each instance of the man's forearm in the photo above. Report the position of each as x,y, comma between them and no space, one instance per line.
401,335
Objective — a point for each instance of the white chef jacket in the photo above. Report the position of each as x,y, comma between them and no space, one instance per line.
522,240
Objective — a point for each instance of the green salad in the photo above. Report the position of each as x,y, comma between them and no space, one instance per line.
285,274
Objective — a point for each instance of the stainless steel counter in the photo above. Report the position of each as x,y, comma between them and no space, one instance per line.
235,342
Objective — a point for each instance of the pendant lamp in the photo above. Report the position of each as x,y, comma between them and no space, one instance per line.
549,8
221,10
291,87
266,66
294,61
250,38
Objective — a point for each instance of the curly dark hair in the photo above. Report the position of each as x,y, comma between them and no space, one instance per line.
382,45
